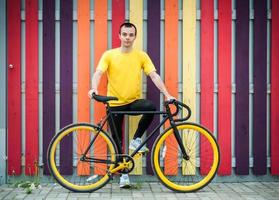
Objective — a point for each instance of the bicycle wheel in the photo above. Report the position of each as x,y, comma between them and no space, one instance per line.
186,175
70,171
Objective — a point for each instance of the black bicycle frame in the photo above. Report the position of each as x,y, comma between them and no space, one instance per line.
166,116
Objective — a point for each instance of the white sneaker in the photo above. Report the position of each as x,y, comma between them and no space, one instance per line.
135,143
124,181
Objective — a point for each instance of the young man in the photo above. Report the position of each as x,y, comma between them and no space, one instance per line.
123,67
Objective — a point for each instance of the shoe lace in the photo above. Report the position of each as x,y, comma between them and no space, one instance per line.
138,142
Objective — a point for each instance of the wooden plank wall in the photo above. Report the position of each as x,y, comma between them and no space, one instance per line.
237,117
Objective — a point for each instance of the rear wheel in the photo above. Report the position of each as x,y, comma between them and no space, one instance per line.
186,174
65,157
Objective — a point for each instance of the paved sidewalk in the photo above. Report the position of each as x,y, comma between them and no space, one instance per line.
150,190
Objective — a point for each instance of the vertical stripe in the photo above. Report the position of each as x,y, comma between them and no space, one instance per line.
153,49
118,17
260,81
3,90
224,85
83,32
189,55
242,88
14,87
66,80
48,76
207,77
171,75
274,138
189,63
136,17
100,46
32,92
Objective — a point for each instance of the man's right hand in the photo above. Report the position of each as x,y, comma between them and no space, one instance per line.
90,93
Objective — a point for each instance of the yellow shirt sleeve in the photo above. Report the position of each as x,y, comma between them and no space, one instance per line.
148,65
104,62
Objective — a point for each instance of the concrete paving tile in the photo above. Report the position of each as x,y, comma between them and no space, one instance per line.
137,194
20,196
146,198
116,198
55,198
106,195
78,195
51,195
188,198
94,195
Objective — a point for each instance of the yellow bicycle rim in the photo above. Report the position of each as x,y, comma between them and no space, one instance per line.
61,178
197,185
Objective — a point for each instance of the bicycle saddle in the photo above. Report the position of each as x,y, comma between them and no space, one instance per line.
103,99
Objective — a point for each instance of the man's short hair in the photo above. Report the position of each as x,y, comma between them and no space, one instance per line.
129,25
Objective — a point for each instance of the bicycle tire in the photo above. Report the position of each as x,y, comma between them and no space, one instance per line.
94,175
186,175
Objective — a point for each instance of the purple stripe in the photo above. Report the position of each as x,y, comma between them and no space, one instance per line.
66,81
242,88
260,73
153,48
48,76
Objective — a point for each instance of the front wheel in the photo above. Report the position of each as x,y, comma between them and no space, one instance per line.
180,173
71,167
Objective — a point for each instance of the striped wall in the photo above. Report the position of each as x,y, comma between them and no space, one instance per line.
218,56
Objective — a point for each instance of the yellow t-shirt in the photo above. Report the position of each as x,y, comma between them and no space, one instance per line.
124,71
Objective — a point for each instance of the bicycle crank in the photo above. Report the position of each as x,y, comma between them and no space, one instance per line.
127,163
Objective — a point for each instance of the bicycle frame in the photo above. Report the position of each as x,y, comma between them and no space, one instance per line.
167,115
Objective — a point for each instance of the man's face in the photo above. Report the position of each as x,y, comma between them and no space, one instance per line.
127,36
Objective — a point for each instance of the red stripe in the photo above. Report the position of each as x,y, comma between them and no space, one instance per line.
224,86
14,87
118,17
207,75
32,129
274,88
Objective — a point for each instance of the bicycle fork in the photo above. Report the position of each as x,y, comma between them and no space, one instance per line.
180,143
177,136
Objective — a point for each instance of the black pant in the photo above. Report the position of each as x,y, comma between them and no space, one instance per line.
145,121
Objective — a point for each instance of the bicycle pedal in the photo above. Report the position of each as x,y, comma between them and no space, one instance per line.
141,154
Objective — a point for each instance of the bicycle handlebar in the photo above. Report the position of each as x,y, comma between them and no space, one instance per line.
179,106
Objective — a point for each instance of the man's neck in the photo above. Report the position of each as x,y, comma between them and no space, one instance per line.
126,49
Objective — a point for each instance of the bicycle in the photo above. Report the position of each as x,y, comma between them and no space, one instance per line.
190,150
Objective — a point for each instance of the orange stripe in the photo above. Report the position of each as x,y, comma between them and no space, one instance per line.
99,48
171,75
83,76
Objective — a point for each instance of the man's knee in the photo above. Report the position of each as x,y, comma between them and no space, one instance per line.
151,106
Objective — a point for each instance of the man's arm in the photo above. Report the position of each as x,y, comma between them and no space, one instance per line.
95,82
156,79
